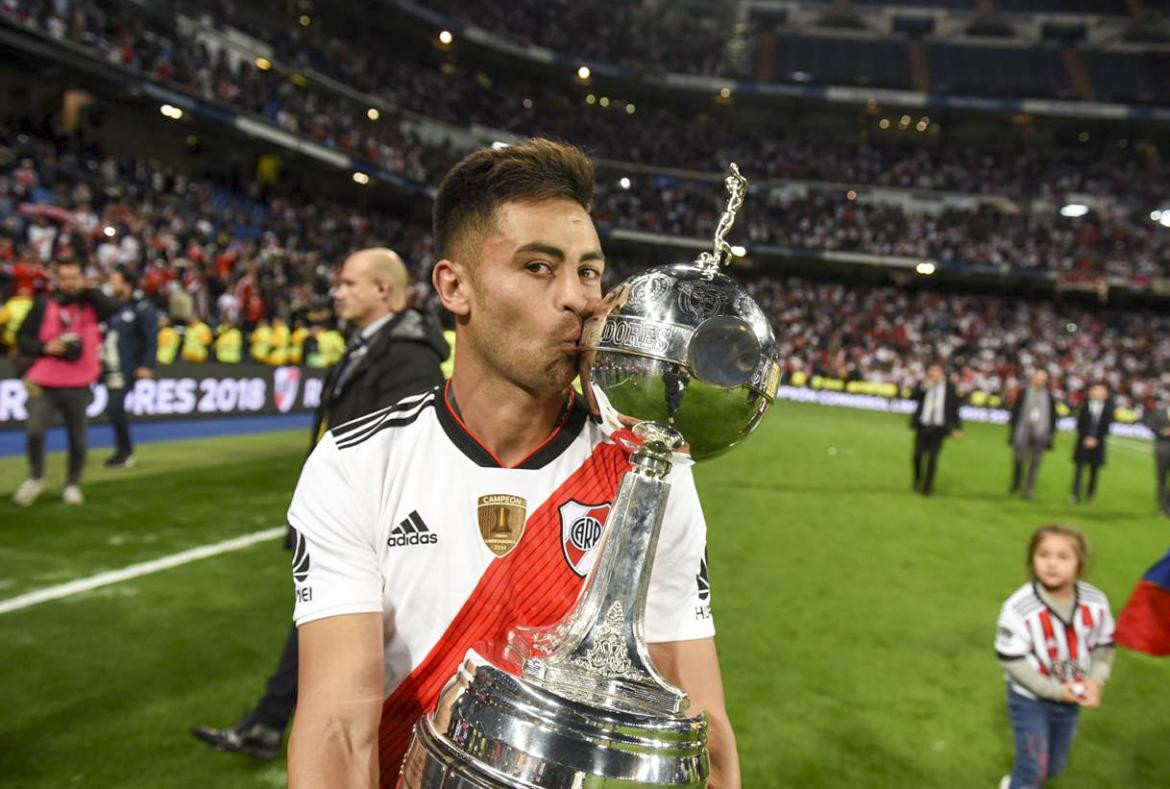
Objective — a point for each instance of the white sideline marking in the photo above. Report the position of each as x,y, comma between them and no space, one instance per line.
137,570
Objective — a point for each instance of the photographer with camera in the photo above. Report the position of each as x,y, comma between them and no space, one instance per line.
62,338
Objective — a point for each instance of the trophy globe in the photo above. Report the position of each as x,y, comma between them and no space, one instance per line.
682,353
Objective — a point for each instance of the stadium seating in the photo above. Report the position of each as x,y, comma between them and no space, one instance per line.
998,71
839,61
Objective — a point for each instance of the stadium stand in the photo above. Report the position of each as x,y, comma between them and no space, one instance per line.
202,248
235,256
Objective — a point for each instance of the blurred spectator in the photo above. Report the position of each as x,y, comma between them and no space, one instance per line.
61,336
1032,428
935,417
1092,429
130,352
1158,420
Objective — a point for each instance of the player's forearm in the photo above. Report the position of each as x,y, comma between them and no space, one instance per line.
326,751
724,754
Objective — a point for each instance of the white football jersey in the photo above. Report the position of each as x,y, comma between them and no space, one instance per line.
1029,629
405,513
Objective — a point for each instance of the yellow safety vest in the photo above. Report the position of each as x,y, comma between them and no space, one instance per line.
332,345
196,342
278,350
261,341
168,345
448,365
296,350
229,345
17,308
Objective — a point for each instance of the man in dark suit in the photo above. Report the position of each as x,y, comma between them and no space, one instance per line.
1158,421
393,352
129,354
935,417
1092,427
1030,431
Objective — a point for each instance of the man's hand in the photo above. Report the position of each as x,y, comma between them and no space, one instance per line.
55,347
143,373
957,435
1090,442
1166,432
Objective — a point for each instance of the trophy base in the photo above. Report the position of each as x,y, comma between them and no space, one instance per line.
492,729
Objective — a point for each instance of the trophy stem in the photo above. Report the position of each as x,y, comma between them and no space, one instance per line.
598,653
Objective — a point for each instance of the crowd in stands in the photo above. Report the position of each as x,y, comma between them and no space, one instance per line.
684,37
991,344
217,262
204,255
835,220
1119,241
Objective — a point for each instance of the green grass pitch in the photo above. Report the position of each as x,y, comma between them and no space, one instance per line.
855,619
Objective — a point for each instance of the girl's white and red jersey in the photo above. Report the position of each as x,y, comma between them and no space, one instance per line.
404,513
1029,629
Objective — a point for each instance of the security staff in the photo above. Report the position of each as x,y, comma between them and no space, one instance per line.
169,341
229,343
197,341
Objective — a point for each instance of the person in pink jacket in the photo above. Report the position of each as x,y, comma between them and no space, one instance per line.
62,337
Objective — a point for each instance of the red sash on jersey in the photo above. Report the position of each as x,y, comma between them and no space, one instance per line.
532,585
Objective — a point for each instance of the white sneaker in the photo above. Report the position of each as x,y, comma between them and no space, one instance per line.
72,495
28,491
1005,782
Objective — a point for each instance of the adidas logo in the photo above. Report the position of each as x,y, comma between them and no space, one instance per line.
411,531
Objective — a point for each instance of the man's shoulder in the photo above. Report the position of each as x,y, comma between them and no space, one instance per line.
387,424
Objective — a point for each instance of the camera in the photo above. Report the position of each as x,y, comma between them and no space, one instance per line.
72,347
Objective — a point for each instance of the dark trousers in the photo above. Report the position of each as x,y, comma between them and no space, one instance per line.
70,402
927,446
280,695
116,410
1162,468
1093,469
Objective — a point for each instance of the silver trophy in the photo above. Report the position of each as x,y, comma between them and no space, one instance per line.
679,359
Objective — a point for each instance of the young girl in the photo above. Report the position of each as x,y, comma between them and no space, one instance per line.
1055,644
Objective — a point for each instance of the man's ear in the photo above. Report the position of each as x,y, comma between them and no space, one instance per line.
451,283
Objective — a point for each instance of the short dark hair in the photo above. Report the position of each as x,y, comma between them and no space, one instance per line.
537,170
127,274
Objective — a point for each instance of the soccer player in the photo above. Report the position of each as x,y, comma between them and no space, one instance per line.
439,524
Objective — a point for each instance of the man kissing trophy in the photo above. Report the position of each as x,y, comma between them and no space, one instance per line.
679,359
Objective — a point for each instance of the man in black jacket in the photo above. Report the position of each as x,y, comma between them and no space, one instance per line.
393,352
129,354
935,417
1031,430
1092,427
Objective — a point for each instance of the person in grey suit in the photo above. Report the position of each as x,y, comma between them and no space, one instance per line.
1158,421
1031,430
